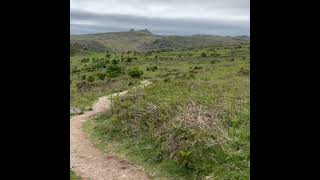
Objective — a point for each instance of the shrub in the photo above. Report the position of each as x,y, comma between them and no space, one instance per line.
114,71
153,68
203,54
214,61
85,60
166,79
101,76
99,64
83,77
114,61
191,76
74,70
129,59
90,79
135,72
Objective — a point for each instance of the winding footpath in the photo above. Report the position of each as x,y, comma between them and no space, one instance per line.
89,162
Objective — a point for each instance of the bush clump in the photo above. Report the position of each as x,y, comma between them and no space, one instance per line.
90,78
85,60
114,61
101,76
130,83
153,68
135,72
114,71
108,55
129,59
214,61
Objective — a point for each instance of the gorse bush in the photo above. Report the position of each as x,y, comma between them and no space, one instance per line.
129,59
114,61
114,71
101,76
152,68
130,83
99,64
214,61
203,54
90,78
135,72
85,60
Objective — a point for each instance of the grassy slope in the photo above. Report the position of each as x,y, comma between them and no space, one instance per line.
144,128
167,62
83,99
119,41
146,41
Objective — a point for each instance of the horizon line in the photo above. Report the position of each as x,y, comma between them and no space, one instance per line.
159,34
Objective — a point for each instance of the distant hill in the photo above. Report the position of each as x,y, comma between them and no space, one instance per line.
144,40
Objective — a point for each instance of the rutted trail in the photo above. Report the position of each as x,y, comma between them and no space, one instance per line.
89,162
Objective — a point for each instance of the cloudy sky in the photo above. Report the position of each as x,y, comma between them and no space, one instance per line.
176,17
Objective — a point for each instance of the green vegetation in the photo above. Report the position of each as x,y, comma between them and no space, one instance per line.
192,122
145,41
73,176
135,72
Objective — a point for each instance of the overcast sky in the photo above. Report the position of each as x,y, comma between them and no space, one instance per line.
176,17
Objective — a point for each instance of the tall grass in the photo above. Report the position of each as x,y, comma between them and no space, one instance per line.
188,128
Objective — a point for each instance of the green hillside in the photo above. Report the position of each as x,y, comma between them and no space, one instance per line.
192,122
144,40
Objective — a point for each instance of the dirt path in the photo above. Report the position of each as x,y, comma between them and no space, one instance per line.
89,162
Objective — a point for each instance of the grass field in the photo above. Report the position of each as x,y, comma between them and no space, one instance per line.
192,122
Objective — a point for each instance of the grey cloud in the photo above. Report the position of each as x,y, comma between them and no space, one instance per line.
83,22
211,3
